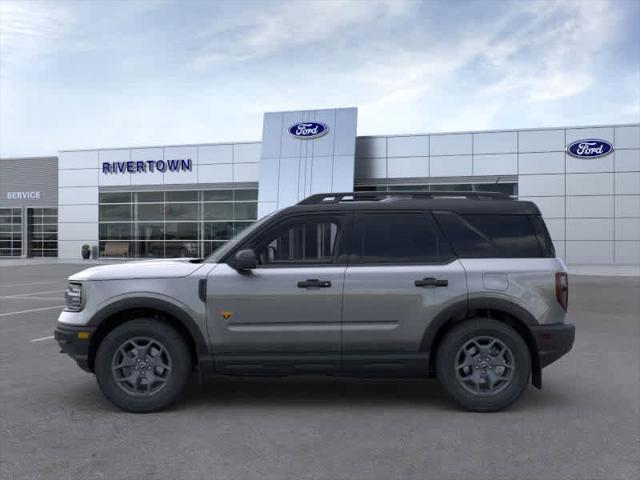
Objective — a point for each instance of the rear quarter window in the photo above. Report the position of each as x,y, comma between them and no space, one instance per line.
496,236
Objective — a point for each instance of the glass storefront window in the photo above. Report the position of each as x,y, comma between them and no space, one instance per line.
174,223
10,232
42,231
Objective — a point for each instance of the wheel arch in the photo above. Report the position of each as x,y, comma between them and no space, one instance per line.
121,311
502,310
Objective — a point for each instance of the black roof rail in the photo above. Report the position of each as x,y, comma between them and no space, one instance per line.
338,197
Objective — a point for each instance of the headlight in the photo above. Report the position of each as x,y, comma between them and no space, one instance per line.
73,296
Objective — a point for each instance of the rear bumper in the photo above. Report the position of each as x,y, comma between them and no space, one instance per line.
74,345
553,341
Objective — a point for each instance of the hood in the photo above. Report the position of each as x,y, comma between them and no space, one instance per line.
174,268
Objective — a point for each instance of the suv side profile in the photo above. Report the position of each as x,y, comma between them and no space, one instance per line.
465,287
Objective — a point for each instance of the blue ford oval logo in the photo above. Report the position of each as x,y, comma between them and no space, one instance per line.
308,130
590,148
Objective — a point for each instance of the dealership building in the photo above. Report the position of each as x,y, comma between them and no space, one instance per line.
186,200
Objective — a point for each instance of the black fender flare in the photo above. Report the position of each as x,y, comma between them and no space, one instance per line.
153,303
462,309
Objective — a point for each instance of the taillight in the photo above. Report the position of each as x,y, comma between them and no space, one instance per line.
562,289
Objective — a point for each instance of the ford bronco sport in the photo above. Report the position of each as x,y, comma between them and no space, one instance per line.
463,287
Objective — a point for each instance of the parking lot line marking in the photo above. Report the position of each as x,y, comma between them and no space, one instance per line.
17,297
32,310
50,337
27,284
33,293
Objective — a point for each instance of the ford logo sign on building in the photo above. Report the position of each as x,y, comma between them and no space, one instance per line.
590,148
308,130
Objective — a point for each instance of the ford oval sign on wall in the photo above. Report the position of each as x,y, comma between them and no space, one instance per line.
590,148
308,130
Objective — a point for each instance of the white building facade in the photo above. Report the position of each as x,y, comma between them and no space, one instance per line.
185,200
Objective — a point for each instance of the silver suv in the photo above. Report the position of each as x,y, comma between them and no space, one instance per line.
463,287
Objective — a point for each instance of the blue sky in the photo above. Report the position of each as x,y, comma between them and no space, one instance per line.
100,74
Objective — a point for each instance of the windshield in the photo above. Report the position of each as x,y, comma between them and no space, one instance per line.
231,244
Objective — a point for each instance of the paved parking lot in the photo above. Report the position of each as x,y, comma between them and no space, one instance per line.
584,424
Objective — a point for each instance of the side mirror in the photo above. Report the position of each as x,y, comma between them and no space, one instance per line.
245,260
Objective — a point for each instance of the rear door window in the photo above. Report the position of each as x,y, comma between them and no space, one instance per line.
398,237
494,236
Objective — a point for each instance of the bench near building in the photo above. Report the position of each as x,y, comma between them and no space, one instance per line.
186,200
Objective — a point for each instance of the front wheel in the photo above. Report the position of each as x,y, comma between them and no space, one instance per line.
483,364
143,365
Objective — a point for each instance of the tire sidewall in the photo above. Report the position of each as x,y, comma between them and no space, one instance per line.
178,377
464,332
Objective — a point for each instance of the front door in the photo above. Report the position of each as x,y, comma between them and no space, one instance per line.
402,274
285,314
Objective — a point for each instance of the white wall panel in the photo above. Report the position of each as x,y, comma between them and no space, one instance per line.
321,174
545,162
371,147
589,229
628,137
628,253
215,154
246,172
555,227
592,253
291,146
143,155
451,165
345,140
541,141
627,228
215,173
292,173
77,178
496,142
371,168
79,159
500,164
540,185
550,207
265,208
584,165
77,213
269,167
246,153
410,146
399,167
78,231
323,146
452,144
77,195
627,160
179,176
590,206
627,205
601,133
590,184
272,128
628,183
342,173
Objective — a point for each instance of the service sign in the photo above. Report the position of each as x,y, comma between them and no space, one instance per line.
589,148
308,130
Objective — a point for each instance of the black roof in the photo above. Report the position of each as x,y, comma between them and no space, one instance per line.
459,202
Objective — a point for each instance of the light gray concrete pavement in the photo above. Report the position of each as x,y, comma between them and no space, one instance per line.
583,424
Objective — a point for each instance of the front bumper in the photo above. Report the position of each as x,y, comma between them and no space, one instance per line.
553,341
74,341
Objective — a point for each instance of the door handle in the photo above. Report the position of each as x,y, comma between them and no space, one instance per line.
314,283
431,282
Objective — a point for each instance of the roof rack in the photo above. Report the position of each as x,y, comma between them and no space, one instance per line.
320,198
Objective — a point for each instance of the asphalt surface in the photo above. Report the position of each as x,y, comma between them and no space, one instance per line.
584,424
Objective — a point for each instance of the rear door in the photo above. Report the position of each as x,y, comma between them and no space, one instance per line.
401,274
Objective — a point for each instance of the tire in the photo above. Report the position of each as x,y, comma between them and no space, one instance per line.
157,365
482,383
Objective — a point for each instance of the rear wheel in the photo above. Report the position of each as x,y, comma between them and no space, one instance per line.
143,365
483,364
